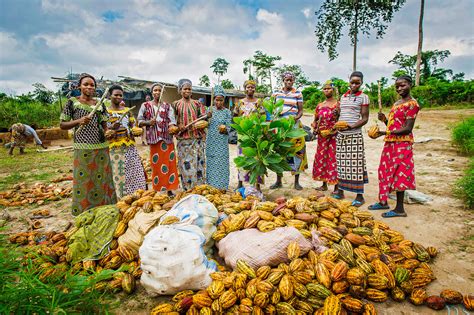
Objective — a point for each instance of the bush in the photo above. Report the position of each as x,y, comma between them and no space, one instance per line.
26,110
465,186
463,136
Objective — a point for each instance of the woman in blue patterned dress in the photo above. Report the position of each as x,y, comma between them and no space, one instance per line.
217,145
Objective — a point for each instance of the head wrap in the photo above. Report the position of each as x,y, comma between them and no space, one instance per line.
18,128
219,91
328,83
288,74
357,74
183,82
406,78
155,84
249,82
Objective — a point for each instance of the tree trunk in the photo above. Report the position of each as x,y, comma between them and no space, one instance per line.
354,60
270,77
420,43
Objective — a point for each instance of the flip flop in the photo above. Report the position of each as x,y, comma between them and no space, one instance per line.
378,206
336,196
357,203
321,189
392,214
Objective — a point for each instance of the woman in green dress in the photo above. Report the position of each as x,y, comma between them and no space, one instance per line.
217,142
92,176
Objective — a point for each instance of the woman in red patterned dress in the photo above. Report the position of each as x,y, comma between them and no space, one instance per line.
396,169
325,116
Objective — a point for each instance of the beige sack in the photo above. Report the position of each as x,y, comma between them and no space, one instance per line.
138,227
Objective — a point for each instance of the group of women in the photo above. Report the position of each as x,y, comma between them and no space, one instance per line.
107,164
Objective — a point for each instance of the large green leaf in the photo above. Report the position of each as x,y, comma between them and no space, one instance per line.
262,145
237,128
250,152
240,161
237,120
273,159
296,133
285,144
246,124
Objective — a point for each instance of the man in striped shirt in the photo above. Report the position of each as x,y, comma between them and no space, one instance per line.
293,106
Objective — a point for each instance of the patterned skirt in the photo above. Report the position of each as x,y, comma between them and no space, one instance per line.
127,170
396,169
351,166
92,184
192,162
164,172
217,160
298,162
325,166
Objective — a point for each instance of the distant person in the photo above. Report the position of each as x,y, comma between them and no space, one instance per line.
158,118
191,140
397,167
127,167
143,137
292,106
20,133
350,151
217,142
325,116
93,184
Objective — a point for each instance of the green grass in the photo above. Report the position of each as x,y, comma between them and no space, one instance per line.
21,291
463,136
33,167
464,188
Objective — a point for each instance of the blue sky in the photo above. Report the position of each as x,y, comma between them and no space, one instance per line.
166,40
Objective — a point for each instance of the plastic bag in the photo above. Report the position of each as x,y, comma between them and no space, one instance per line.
172,259
197,210
259,248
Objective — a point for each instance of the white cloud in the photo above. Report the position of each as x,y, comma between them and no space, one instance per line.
161,40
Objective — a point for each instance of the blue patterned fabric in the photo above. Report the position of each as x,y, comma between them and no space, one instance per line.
217,149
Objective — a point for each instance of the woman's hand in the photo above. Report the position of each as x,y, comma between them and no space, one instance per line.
152,122
381,116
116,125
84,120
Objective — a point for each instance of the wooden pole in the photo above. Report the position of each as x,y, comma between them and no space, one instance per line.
420,44
380,96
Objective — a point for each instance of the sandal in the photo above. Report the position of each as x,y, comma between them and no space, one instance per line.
321,188
337,196
392,214
357,203
378,206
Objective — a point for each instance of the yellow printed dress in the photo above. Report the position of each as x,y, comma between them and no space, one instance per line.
127,168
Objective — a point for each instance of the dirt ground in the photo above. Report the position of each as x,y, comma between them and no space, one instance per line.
442,223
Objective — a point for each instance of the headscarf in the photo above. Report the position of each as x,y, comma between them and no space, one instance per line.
219,91
357,74
287,74
406,78
249,82
182,83
155,84
328,83
18,128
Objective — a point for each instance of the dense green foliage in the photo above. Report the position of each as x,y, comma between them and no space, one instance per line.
266,144
313,95
28,110
465,186
463,136
358,17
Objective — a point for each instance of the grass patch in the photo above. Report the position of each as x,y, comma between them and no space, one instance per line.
21,291
464,187
33,167
463,136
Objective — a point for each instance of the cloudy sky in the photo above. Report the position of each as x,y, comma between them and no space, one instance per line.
169,39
